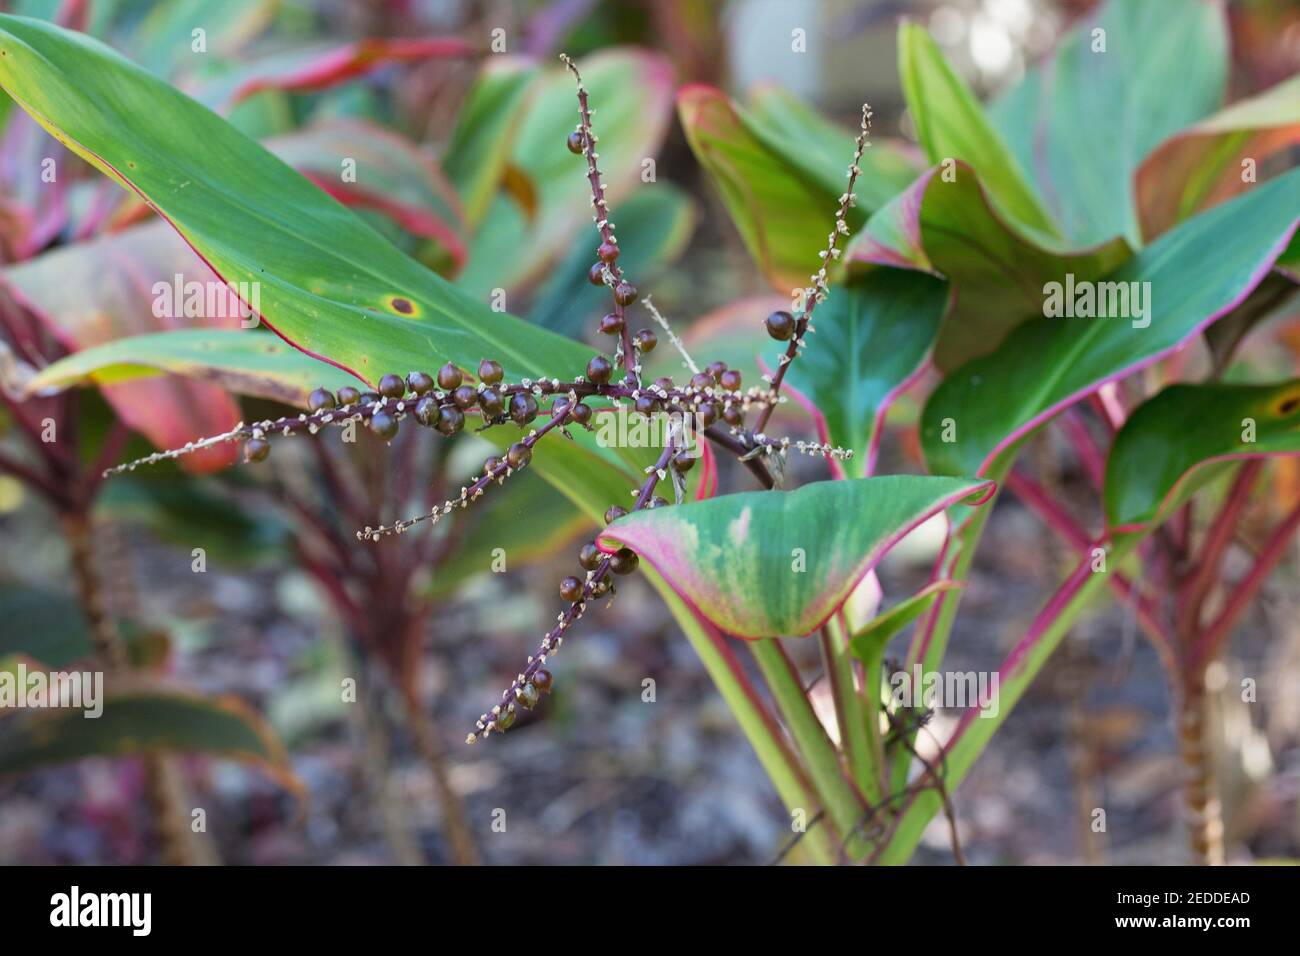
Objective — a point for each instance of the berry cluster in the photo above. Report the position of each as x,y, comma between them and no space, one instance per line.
714,401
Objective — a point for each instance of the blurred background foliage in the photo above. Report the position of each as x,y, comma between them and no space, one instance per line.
241,705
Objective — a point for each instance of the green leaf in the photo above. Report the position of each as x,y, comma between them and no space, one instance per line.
327,282
780,169
869,643
775,563
873,333
45,625
390,175
951,125
529,524
1084,120
189,514
1160,452
1196,272
655,223
140,720
1202,165
479,148
947,224
246,362
631,91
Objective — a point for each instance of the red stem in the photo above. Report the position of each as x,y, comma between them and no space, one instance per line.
1212,638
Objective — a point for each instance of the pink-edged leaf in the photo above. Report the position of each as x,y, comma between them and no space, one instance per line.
946,224
96,292
319,69
1202,166
779,167
1194,274
1167,446
780,563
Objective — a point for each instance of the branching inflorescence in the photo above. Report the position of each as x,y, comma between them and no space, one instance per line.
713,402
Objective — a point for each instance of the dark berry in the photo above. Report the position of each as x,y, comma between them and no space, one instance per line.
320,399
349,395
256,449
571,589
733,415
611,323
368,397
613,513
523,408
730,380
716,369
383,425
624,561
450,420
490,372
665,383
590,556
708,413
624,293
607,252
465,397
684,462
647,405
392,386
575,142
490,401
581,413
491,464
599,370
543,680
426,411
645,340
449,377
596,274
518,455
420,383
780,325
658,502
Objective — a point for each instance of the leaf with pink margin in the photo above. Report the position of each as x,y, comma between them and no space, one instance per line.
1164,451
872,337
772,166
947,225
1194,274
97,292
952,125
315,69
1201,166
780,563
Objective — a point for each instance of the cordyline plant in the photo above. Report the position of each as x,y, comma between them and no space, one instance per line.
961,261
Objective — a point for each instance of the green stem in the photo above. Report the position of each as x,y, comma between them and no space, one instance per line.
1014,678
758,725
823,760
849,712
